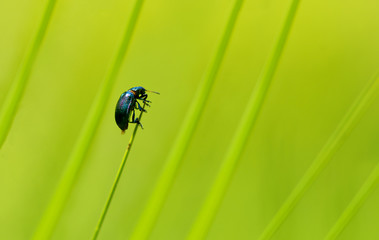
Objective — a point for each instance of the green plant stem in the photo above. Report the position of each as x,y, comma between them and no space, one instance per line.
110,196
335,141
357,201
14,95
355,204
149,216
214,198
59,199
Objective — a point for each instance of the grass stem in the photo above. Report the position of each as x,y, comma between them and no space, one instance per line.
110,196
59,199
214,198
149,216
357,201
17,88
335,141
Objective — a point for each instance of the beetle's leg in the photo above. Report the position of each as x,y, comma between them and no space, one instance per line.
140,108
135,120
136,106
146,103
133,116
138,122
144,98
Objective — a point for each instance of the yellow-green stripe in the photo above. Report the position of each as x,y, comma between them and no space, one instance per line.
339,136
17,88
60,196
363,193
147,220
215,196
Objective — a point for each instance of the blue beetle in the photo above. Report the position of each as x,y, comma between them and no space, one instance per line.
127,104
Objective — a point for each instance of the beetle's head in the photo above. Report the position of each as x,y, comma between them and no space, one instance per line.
138,90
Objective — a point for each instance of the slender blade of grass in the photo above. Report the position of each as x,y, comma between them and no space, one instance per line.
355,204
335,141
220,185
14,95
59,199
353,207
114,186
150,214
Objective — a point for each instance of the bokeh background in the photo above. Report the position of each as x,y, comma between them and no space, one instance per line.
331,53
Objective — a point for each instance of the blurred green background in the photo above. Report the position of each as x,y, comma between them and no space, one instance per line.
331,53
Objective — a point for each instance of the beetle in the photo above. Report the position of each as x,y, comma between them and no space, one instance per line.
126,105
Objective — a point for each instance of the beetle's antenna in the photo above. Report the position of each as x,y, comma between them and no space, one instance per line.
152,91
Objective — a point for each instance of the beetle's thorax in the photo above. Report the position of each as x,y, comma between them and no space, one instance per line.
137,91
133,92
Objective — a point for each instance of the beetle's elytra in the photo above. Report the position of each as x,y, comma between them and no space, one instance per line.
127,104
